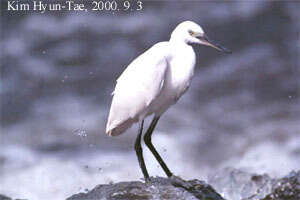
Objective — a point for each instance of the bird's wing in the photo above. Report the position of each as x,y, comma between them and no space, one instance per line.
138,86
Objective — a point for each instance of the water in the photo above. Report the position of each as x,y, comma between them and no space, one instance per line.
58,72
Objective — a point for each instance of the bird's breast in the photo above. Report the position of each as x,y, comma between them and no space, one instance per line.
177,81
181,72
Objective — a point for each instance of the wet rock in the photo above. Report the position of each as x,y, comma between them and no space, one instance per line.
158,189
2,197
287,188
237,184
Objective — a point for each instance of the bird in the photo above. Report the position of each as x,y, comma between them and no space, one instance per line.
152,83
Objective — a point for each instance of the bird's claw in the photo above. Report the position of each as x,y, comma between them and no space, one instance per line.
179,182
148,180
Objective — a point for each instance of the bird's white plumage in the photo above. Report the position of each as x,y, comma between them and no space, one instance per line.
154,81
136,88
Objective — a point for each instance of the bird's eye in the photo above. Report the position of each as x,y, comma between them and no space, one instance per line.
191,32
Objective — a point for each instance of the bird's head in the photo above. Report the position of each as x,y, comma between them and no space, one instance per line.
191,33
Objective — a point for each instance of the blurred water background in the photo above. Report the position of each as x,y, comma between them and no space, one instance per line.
58,70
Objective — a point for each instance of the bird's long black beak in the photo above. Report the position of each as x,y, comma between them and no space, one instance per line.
205,40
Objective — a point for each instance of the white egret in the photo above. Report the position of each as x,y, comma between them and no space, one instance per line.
153,82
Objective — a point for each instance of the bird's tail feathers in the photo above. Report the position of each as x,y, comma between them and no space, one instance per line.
115,129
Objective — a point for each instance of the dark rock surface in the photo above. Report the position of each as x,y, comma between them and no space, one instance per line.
2,197
242,186
287,188
239,185
235,184
159,189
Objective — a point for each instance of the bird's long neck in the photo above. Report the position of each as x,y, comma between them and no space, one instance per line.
183,59
178,43
176,39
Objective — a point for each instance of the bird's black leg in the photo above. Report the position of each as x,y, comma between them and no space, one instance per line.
139,152
147,139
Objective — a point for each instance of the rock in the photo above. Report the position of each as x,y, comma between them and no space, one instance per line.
232,183
159,189
236,184
2,197
287,188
